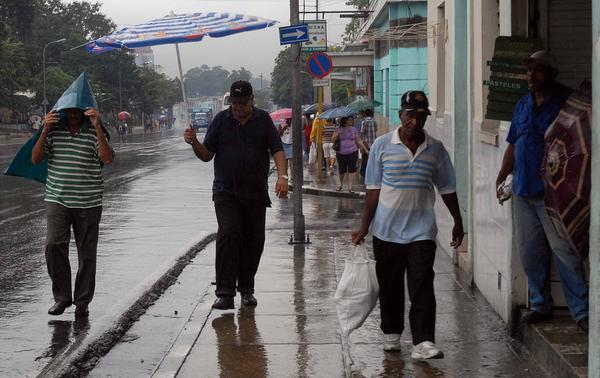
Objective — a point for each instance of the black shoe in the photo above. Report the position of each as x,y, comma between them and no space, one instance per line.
58,308
82,312
223,303
584,324
249,300
532,317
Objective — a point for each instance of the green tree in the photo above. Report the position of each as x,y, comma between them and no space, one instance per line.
281,80
57,81
12,70
235,75
352,28
339,92
205,81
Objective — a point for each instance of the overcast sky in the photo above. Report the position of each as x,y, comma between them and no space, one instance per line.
255,50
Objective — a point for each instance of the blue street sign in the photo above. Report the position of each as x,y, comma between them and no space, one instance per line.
293,34
319,65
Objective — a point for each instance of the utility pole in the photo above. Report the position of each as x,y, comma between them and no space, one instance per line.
297,134
261,81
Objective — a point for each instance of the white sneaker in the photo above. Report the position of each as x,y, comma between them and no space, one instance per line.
426,350
391,342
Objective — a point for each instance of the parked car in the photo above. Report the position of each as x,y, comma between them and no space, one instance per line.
200,121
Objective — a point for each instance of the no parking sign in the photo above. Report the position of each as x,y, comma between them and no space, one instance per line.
319,65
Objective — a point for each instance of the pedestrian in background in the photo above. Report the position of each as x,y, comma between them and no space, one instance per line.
240,139
329,153
537,239
405,166
287,139
347,156
368,134
76,147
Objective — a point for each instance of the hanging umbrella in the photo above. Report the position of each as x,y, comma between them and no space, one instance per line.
566,169
361,105
342,111
312,109
123,115
281,115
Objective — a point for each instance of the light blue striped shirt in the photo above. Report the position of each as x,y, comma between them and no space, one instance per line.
405,210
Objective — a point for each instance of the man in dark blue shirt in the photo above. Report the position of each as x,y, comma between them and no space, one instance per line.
241,139
537,239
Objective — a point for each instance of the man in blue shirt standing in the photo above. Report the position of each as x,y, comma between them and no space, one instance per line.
404,167
537,239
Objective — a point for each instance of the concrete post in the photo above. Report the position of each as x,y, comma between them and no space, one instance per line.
460,107
594,335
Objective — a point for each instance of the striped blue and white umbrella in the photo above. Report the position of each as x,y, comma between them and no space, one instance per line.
181,28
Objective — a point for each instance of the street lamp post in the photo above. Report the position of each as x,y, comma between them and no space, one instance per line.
45,102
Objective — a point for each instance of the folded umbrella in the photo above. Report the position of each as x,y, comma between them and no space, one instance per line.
566,169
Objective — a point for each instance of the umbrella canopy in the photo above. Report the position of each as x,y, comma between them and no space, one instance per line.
312,109
566,169
180,28
342,111
281,115
79,95
123,115
361,105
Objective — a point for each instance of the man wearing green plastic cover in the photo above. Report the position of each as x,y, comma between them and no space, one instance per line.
75,144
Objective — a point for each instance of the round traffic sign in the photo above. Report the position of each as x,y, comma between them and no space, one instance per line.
319,65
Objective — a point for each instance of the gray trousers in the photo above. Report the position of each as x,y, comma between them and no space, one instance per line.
85,223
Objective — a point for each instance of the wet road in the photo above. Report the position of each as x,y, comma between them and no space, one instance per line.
157,200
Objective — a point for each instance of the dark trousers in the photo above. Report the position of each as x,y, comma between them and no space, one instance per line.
85,223
240,243
363,164
416,259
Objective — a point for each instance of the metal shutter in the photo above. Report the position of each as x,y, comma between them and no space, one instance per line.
570,39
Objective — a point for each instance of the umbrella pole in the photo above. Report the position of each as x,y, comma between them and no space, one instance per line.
183,94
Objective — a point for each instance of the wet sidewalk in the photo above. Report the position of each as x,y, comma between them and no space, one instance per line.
293,332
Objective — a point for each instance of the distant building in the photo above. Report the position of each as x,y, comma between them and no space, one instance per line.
144,56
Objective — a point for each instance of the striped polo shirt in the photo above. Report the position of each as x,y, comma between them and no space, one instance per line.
74,168
328,131
405,210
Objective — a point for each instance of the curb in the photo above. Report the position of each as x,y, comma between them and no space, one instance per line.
81,357
329,192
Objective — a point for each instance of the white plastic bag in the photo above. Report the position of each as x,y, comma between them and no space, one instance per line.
357,291
312,154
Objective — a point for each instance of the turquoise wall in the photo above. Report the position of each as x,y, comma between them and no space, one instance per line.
402,69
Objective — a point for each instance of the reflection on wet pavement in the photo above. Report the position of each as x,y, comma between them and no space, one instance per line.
157,199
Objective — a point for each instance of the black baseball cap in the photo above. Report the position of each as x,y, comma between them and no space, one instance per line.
240,91
415,100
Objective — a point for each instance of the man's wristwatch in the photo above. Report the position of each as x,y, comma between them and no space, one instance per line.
284,177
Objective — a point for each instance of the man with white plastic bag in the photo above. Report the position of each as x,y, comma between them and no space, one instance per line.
404,167
357,291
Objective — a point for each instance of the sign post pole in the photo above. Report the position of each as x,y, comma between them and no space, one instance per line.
298,170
